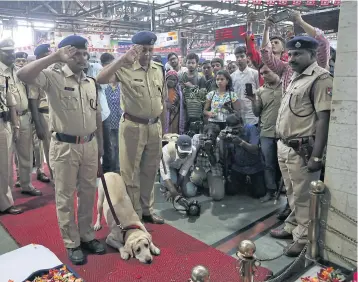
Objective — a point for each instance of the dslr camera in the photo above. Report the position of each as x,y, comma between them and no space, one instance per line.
228,134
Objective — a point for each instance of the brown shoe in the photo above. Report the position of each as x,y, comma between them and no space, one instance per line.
294,249
43,177
32,192
280,233
13,210
153,218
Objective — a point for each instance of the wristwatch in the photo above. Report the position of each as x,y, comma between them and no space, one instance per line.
317,160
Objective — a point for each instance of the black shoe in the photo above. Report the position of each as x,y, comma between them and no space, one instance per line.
32,192
284,214
43,177
76,255
94,247
153,218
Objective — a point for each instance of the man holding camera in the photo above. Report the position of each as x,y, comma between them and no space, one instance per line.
177,160
247,169
208,171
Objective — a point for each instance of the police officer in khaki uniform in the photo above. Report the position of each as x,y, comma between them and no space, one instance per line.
40,111
23,146
140,134
20,61
7,113
302,128
75,122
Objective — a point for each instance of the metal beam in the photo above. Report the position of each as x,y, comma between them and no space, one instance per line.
52,10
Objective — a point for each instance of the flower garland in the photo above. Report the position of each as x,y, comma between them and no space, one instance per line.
326,275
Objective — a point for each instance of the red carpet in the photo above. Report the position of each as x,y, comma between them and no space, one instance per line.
179,251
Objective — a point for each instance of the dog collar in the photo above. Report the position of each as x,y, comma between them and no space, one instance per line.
127,228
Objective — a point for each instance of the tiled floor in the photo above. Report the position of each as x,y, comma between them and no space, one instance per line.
221,224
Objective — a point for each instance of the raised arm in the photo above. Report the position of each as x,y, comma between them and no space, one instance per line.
267,56
30,72
126,60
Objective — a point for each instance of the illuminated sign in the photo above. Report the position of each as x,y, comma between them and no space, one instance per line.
230,34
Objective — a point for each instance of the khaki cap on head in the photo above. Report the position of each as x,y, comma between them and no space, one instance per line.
7,44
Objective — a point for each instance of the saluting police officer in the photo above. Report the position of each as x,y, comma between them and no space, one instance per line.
23,146
140,133
302,128
39,109
7,113
76,144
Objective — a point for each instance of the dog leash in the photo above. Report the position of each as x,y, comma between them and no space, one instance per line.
110,201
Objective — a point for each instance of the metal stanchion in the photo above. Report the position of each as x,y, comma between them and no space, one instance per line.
317,193
200,274
247,259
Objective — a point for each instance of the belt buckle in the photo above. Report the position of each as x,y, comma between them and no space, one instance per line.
82,140
151,121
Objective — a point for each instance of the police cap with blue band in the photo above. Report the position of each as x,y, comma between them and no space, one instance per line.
21,55
75,41
302,42
144,38
42,49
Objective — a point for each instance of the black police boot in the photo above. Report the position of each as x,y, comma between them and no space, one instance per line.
76,255
285,213
94,247
153,218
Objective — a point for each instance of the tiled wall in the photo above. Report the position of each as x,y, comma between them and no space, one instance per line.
341,165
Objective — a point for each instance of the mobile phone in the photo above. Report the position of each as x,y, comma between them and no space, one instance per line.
281,16
248,88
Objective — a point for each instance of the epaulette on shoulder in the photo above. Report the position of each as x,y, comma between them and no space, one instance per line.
325,75
56,68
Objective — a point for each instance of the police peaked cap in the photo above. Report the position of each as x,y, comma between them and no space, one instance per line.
302,42
144,38
75,41
21,55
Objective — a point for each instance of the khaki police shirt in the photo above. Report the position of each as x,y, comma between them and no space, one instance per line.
70,101
288,125
141,91
270,101
39,94
16,87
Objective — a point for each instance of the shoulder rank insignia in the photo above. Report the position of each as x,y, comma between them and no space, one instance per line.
325,75
329,91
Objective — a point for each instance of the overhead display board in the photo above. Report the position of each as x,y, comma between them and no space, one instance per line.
234,34
167,39
326,21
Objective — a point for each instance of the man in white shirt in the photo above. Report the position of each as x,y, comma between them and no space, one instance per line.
92,71
243,75
178,158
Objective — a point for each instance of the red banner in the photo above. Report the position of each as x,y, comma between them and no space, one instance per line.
282,2
243,1
311,2
337,2
325,2
256,2
297,2
270,2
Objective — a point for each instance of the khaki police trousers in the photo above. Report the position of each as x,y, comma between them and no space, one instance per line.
24,153
297,181
44,121
140,149
38,150
74,165
6,169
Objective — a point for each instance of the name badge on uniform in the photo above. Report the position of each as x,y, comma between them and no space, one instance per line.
69,89
329,91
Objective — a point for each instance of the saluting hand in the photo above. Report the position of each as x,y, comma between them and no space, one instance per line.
131,55
66,53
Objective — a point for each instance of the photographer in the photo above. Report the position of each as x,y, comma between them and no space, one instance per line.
247,167
178,158
208,172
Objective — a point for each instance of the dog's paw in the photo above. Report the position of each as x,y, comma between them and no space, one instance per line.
97,226
155,251
124,254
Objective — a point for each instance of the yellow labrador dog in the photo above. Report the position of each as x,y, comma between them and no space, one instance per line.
133,240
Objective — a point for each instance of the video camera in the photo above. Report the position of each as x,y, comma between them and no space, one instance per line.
228,134
195,127
191,208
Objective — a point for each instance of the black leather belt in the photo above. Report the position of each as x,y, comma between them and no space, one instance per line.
22,113
140,120
5,116
296,142
43,111
74,139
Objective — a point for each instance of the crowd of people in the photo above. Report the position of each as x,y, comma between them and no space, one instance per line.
240,127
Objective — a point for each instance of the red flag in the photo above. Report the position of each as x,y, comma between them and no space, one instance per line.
282,2
243,1
311,2
325,2
256,2
297,2
337,2
270,2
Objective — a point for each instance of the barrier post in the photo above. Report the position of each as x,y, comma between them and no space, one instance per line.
247,259
200,274
317,193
